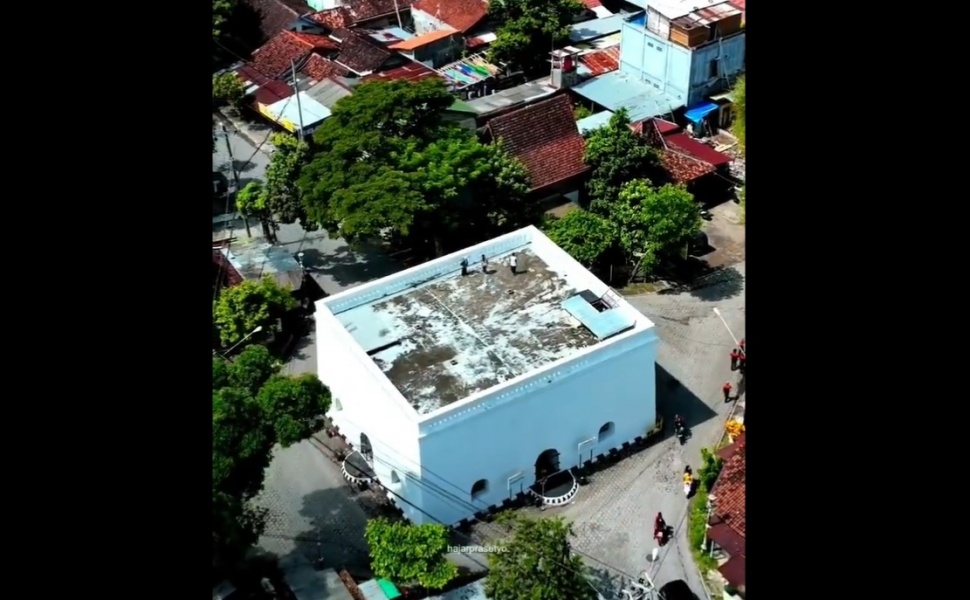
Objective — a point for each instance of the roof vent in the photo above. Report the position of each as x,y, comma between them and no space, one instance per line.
454,362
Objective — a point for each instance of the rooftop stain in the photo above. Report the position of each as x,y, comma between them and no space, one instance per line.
457,336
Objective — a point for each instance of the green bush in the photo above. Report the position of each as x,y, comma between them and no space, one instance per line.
697,529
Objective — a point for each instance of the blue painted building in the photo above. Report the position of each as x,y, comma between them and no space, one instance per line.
687,49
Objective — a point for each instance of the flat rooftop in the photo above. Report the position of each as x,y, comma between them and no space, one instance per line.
454,336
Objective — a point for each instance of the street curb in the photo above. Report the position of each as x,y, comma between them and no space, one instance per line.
226,119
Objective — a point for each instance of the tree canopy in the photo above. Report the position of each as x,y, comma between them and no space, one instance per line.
253,409
738,100
387,160
241,308
410,553
282,194
251,202
537,563
586,236
221,10
654,222
616,155
530,30
228,89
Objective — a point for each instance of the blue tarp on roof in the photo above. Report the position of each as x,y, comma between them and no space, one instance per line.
697,113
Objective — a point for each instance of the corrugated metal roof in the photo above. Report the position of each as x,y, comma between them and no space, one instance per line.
521,94
254,259
596,28
328,92
307,583
307,111
705,16
425,39
674,9
593,122
371,590
617,90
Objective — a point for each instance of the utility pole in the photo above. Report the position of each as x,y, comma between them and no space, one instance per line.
296,92
235,175
398,13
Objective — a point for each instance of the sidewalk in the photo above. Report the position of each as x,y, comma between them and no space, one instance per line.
254,133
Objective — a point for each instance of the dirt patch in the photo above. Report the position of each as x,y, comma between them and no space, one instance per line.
725,233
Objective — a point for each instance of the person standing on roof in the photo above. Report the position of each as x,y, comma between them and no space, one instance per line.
513,263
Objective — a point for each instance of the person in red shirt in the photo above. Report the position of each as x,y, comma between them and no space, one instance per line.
741,343
727,391
741,361
735,355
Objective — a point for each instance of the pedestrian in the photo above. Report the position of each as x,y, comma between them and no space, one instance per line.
464,267
513,263
741,343
735,355
727,390
484,265
741,360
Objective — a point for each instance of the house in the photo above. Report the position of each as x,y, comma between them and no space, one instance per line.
501,102
589,31
287,49
361,13
277,15
328,92
435,48
691,162
726,525
544,138
359,54
596,7
461,15
598,62
255,258
318,68
593,122
738,4
686,52
464,392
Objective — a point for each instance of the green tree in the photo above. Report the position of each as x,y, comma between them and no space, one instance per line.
228,89
581,112
253,409
616,155
584,235
410,553
242,308
654,222
282,192
537,563
251,201
530,30
221,10
710,468
738,99
386,160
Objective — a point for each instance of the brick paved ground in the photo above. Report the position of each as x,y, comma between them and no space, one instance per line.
613,516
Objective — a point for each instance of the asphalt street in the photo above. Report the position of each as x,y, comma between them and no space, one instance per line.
313,513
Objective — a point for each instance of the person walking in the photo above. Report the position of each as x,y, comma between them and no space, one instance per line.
513,263
741,359
741,343
735,355
726,388
464,267
484,265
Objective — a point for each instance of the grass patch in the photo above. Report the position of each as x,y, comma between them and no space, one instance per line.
697,531
635,289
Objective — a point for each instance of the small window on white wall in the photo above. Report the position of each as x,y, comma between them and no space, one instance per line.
395,478
605,431
480,487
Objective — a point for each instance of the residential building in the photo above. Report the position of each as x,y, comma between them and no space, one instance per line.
589,31
688,49
328,92
435,48
498,103
465,391
688,161
461,15
360,54
597,62
726,526
277,15
738,4
276,58
593,122
368,14
596,7
544,138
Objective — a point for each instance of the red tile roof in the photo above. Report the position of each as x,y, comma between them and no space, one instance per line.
419,41
681,167
544,137
272,92
591,4
733,571
360,55
223,273
738,4
274,57
364,10
460,14
698,150
729,503
666,127
277,15
320,68
602,61
334,18
409,72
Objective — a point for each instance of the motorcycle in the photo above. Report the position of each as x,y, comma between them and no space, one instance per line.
680,430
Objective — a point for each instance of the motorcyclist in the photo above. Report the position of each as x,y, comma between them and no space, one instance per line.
678,423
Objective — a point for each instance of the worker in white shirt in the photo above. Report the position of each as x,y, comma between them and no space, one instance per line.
513,263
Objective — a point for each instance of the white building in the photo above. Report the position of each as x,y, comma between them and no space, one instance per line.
460,389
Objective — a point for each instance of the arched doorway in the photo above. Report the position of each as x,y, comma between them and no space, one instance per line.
547,463
606,431
365,448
